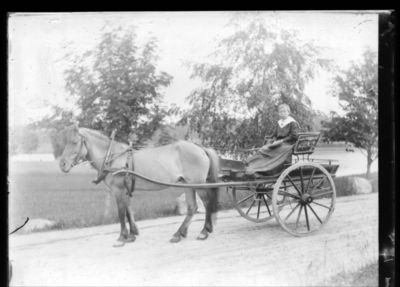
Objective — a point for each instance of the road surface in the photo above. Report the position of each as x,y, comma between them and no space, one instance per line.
239,252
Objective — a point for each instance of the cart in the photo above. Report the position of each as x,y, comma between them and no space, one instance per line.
301,196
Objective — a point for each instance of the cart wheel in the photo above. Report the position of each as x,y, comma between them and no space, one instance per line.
255,203
303,198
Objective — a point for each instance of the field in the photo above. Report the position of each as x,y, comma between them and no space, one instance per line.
39,190
72,200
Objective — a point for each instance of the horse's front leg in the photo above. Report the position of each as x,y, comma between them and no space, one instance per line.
121,215
122,200
131,219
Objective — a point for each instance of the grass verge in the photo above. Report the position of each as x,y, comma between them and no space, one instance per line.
368,276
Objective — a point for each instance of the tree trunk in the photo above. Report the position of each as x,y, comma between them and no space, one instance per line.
369,162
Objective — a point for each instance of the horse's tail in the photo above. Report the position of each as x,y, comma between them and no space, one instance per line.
212,204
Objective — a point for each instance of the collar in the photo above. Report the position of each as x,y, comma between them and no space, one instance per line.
286,121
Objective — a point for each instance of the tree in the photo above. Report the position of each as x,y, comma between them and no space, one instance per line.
356,89
117,86
252,71
23,139
29,142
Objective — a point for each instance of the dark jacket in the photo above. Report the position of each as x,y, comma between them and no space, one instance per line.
288,133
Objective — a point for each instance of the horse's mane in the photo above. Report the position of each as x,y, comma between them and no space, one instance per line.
95,133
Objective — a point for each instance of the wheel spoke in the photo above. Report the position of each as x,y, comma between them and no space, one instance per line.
322,194
294,185
312,209
301,179
287,217
298,216
289,194
251,206
312,175
318,184
244,199
321,189
321,205
258,210
305,212
266,204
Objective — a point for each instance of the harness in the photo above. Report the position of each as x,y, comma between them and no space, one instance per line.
129,180
105,165
77,160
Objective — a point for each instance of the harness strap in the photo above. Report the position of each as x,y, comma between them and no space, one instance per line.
77,159
102,172
129,180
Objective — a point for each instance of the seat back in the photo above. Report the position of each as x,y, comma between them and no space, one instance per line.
306,143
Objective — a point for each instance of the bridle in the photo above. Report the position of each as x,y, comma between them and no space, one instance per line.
78,158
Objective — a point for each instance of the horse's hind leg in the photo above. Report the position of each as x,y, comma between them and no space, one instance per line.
190,197
208,224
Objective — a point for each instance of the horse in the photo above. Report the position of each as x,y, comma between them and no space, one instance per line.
177,162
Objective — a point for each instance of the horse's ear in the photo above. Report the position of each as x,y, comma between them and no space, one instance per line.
75,126
72,129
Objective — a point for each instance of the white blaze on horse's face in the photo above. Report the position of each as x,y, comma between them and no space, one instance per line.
74,151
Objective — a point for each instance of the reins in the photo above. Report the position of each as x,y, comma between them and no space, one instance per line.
106,160
109,157
113,157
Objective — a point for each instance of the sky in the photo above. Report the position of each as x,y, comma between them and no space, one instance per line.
37,43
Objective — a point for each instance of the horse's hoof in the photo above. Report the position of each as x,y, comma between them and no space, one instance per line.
130,238
202,236
122,238
122,244
175,239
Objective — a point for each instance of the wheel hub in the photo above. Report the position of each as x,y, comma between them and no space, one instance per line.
306,198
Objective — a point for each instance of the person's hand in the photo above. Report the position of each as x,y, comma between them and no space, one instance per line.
275,143
269,141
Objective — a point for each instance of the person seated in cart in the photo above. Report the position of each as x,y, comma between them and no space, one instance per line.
272,156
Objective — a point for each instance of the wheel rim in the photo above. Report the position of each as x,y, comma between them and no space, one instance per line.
303,198
254,204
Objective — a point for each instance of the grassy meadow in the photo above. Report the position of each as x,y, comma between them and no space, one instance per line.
39,190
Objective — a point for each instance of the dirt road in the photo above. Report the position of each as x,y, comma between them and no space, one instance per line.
238,253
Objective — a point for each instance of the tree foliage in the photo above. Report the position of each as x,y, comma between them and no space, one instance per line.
117,85
252,71
23,140
356,89
29,142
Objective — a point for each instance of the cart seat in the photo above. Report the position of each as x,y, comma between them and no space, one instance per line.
306,143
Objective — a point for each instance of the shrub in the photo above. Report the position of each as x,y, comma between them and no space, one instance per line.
29,142
344,184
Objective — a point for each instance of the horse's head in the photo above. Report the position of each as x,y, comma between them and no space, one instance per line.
75,150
